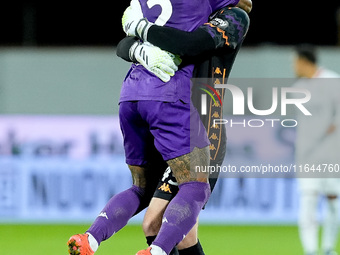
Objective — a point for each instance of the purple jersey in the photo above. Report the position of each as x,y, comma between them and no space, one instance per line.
141,84
219,4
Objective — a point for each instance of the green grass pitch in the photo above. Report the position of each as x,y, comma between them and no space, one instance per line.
216,240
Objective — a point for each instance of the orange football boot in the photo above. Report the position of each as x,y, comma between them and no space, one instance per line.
145,252
79,245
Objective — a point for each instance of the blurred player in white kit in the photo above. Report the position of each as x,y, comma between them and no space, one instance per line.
318,143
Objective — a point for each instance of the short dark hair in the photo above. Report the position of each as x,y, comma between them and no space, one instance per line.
307,52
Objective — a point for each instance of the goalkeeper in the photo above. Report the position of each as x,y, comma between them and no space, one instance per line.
213,48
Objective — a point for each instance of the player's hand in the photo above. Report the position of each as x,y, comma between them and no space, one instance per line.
132,15
246,5
159,62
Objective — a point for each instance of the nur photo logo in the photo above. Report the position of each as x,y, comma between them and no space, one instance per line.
244,101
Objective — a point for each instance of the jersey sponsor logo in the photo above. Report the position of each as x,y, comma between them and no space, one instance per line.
165,187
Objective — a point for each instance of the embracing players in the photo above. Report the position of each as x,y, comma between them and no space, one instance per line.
143,127
213,48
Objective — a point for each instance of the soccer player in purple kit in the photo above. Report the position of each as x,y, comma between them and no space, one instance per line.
154,114
219,40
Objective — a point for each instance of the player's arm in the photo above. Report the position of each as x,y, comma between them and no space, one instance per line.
131,49
159,62
226,28
125,49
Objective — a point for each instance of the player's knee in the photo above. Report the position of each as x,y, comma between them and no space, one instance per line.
153,217
151,226
189,167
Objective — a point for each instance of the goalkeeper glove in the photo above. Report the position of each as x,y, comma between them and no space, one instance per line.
133,22
159,62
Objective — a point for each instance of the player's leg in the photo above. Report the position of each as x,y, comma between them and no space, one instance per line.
167,188
152,223
190,245
330,225
184,145
218,140
190,239
153,218
114,215
308,224
181,214
124,205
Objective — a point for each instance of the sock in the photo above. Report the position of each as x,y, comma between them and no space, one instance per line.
181,214
116,213
150,239
93,242
330,226
174,251
193,250
156,250
308,225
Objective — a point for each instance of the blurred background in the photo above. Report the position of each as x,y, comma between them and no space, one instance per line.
61,154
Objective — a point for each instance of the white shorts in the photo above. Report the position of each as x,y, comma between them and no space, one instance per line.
325,186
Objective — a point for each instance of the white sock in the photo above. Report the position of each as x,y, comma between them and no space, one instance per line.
93,242
330,226
156,250
308,225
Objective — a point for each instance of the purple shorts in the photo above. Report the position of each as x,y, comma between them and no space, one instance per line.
174,129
